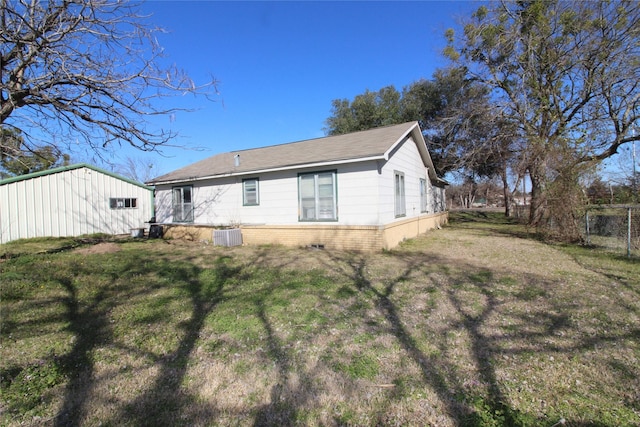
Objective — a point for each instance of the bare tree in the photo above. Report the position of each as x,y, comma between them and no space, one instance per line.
85,71
138,168
568,74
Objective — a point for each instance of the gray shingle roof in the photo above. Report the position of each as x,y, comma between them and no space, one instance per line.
374,143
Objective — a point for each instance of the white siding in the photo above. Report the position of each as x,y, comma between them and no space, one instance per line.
406,159
70,203
358,194
219,202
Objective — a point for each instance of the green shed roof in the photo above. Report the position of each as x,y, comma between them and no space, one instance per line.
68,168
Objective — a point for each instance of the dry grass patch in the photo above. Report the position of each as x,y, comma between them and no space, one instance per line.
475,324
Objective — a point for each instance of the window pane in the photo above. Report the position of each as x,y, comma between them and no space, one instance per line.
182,204
325,208
326,192
250,194
307,185
307,197
308,209
326,177
187,212
402,202
399,194
318,196
250,197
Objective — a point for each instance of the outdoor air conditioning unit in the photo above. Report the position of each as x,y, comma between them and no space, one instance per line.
230,237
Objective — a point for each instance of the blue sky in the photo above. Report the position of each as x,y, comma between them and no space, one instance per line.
280,64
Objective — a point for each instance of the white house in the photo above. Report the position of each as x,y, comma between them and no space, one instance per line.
72,201
366,190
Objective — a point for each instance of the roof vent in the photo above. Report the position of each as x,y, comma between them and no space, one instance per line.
236,160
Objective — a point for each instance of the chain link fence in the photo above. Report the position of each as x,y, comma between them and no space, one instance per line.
614,227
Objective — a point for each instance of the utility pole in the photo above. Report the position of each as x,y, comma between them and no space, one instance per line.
633,157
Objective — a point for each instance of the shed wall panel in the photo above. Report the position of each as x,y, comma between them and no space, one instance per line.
70,203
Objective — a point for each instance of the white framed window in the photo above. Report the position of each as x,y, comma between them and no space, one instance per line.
250,192
400,202
318,196
423,195
123,203
183,204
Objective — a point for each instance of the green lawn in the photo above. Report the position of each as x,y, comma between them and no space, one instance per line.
475,324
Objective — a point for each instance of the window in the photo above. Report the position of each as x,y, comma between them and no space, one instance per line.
182,204
250,194
423,195
317,194
123,203
399,194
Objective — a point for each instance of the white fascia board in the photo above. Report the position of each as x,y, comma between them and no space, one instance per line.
278,169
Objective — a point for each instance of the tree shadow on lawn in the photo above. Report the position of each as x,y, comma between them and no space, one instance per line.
434,373
90,328
288,395
285,400
493,222
165,402
89,322
597,261
486,349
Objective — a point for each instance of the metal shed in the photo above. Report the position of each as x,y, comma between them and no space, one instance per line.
72,201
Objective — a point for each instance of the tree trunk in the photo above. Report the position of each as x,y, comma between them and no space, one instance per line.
506,194
538,208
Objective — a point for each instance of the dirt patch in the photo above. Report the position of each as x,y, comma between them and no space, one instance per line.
100,248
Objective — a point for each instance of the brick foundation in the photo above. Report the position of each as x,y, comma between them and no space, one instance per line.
339,237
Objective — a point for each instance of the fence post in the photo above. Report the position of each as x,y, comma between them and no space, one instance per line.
629,232
587,227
